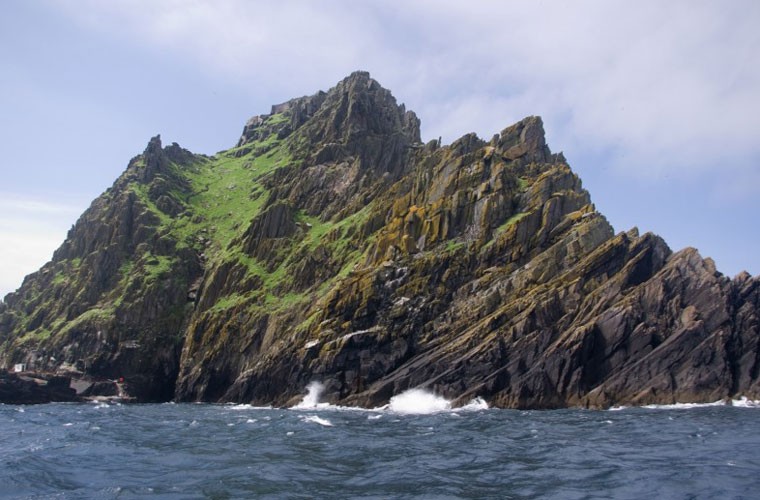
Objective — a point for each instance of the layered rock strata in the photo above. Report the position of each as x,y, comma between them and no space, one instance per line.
330,244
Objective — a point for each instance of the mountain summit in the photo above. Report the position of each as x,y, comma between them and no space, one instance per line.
332,245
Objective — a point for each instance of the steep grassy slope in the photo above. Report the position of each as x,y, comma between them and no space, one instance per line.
330,244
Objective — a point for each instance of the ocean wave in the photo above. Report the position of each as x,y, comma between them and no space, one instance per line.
418,402
411,402
237,407
313,394
742,402
317,420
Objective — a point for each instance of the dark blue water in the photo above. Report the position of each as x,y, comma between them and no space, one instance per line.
212,451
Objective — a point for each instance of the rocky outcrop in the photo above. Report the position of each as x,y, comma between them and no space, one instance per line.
19,389
330,244
114,296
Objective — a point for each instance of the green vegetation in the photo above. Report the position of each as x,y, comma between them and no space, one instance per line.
229,193
96,315
60,278
277,119
228,302
157,267
454,245
512,220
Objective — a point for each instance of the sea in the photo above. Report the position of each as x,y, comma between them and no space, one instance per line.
418,446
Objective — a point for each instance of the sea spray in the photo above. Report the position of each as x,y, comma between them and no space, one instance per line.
313,394
418,402
743,402
411,402
476,404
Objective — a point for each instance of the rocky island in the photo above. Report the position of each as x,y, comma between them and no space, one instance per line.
332,245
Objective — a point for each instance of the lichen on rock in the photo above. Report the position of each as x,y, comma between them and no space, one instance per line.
330,244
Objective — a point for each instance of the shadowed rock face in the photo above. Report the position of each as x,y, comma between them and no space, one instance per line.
330,244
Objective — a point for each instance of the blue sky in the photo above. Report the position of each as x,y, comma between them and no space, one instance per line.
655,104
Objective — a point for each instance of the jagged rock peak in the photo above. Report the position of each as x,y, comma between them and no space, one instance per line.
357,106
296,111
526,137
155,158
154,145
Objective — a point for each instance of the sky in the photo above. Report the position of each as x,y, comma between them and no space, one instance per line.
656,105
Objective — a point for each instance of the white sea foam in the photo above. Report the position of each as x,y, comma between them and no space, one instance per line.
411,402
238,407
476,404
743,402
684,406
618,408
317,420
418,402
422,402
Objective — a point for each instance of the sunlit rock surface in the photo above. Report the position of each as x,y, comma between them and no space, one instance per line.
332,245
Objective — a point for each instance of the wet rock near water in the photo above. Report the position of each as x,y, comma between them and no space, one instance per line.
31,389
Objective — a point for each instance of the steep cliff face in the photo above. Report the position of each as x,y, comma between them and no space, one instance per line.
113,299
330,244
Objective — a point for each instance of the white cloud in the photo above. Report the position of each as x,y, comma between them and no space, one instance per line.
13,205
30,230
668,87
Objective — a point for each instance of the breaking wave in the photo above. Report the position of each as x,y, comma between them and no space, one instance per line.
742,402
418,402
317,420
240,407
311,400
422,402
476,404
411,402
147,450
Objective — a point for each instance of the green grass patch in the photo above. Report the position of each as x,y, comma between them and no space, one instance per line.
276,119
126,269
229,194
96,315
157,267
454,245
228,302
60,278
512,220
287,301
